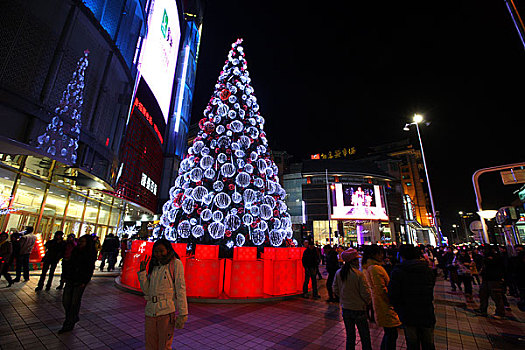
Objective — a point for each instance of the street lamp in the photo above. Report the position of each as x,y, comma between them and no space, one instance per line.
418,118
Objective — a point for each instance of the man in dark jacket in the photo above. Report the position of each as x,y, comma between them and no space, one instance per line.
332,265
77,274
310,263
411,292
492,274
54,252
109,251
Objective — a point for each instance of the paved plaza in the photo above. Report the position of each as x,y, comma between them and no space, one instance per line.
113,319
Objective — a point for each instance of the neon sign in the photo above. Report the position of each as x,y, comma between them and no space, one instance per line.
5,205
148,118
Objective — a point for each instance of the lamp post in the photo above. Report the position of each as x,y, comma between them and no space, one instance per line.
418,118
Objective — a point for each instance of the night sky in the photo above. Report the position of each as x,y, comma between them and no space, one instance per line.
328,77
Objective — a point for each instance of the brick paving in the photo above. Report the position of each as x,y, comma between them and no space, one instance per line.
113,319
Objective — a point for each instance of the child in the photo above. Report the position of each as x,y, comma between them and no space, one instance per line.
165,291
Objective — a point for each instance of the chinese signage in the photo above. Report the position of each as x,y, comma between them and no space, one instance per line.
145,181
338,153
148,117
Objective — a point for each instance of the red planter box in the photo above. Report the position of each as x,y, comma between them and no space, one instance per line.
244,278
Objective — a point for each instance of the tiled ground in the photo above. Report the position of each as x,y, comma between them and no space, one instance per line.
112,319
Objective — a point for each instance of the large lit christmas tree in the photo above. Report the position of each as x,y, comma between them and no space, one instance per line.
227,191
60,140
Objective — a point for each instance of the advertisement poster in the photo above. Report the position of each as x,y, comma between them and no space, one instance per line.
160,50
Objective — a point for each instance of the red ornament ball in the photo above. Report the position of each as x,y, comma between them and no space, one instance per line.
224,94
231,187
228,233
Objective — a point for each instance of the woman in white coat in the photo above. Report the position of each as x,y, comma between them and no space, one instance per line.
165,291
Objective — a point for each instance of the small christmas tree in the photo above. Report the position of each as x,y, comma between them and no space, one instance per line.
60,140
227,191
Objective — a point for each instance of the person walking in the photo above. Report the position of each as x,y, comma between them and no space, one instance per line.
352,289
71,243
463,263
77,274
411,292
123,249
54,252
109,252
164,289
5,255
492,274
378,280
310,264
332,265
26,242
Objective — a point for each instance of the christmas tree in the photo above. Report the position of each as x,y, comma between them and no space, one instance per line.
227,191
60,140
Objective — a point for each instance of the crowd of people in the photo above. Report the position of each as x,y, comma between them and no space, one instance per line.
78,258
393,286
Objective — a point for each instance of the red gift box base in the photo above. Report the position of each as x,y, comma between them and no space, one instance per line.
222,279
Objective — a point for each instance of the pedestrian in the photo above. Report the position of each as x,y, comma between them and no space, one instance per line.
6,250
26,243
352,289
452,269
474,270
164,289
310,264
411,292
123,249
71,243
492,274
332,265
54,252
319,259
77,275
109,252
378,280
463,263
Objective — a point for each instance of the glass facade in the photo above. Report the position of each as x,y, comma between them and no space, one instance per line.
32,193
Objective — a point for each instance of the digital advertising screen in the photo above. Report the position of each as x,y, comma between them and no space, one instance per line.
357,202
159,52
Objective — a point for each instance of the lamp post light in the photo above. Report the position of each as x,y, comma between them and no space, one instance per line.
418,118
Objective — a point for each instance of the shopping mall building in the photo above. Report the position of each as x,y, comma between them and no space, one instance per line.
372,196
110,84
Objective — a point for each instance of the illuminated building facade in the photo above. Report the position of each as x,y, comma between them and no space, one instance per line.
354,202
42,71
416,201
63,51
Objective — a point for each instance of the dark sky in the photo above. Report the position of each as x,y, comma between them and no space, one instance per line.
328,77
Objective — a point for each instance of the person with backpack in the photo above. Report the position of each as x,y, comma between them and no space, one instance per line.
352,289
164,289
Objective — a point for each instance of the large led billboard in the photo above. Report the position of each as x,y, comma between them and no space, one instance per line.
357,202
159,53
